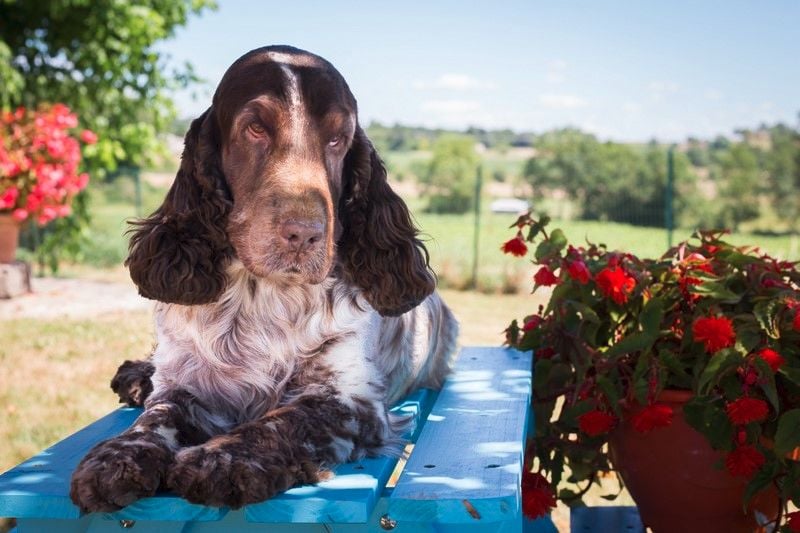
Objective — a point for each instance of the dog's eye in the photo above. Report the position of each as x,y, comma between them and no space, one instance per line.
257,129
335,141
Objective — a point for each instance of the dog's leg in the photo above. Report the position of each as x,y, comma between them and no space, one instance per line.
291,445
133,465
132,382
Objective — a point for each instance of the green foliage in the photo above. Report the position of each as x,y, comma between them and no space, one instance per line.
449,179
100,59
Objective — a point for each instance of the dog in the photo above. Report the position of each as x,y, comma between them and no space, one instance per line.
295,302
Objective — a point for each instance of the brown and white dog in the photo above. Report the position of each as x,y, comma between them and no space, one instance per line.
295,300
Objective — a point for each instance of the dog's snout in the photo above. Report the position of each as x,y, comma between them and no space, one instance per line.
301,234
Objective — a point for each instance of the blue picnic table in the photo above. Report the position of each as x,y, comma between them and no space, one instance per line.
463,473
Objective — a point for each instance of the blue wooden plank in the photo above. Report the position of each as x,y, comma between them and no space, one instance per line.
39,487
467,464
603,519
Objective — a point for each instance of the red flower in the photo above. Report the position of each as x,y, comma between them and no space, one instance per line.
796,321
715,333
744,461
616,284
793,521
88,136
533,322
745,410
545,353
545,277
578,271
19,215
537,495
772,358
515,246
658,415
596,422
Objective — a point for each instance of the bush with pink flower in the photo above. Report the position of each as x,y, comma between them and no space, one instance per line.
40,155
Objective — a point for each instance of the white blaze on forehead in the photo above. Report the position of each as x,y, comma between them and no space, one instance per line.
297,122
300,60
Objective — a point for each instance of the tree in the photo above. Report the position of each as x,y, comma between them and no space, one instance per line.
449,179
738,185
782,163
99,58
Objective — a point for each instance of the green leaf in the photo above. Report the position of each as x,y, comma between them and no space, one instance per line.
787,437
767,382
541,374
760,481
719,363
558,239
651,316
716,290
766,312
635,342
610,390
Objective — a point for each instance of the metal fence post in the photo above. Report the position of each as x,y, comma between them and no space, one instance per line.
476,236
669,193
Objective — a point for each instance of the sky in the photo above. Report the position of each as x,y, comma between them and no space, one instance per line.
623,70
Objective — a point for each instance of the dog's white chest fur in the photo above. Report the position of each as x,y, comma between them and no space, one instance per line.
237,355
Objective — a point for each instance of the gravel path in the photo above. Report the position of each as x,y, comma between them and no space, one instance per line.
73,298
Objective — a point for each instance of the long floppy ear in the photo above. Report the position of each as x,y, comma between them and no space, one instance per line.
178,254
379,248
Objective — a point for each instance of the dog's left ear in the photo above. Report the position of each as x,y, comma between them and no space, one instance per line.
379,248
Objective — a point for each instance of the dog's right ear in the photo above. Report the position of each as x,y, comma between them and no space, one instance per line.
178,254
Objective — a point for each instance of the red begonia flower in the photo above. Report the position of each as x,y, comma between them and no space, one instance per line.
744,461
537,495
596,422
578,271
772,358
515,246
533,322
745,410
715,333
88,136
545,277
654,416
616,284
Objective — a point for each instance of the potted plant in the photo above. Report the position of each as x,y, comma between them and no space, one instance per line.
630,352
40,154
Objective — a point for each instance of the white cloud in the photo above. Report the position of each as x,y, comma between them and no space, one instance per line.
450,106
562,101
454,82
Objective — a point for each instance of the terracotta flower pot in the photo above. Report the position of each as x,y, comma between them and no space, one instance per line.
9,237
671,475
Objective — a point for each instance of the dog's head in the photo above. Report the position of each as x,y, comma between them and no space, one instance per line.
278,173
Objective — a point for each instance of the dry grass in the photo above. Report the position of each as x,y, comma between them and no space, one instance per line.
56,373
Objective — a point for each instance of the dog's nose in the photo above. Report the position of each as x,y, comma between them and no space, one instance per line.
301,234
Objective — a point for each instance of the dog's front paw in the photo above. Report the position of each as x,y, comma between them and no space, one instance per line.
132,382
233,476
119,471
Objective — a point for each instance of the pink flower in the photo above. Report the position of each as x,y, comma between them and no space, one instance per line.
88,136
19,214
9,198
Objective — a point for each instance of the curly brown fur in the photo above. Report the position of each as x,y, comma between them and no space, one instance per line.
132,382
178,253
379,247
